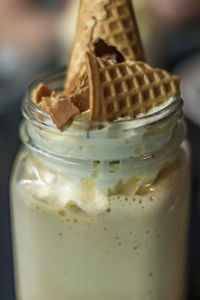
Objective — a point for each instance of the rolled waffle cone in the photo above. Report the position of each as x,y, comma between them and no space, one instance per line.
112,21
77,84
126,89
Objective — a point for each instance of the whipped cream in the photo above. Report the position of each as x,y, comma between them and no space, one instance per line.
140,150
86,114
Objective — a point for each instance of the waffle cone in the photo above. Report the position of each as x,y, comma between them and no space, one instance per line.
112,21
77,84
126,89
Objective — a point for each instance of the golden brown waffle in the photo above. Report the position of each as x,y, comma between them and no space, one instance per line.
112,21
39,92
63,109
81,99
126,89
62,113
77,84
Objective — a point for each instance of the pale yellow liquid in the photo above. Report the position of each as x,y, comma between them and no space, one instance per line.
134,250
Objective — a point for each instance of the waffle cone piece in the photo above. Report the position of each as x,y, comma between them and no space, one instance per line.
104,27
126,89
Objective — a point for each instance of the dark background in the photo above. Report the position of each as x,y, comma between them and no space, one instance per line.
171,44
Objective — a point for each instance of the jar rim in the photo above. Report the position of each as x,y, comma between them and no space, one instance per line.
42,119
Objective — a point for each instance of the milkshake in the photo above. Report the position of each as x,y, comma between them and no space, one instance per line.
133,248
104,214
100,189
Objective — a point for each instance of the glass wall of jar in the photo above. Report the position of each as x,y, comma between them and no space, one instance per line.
100,211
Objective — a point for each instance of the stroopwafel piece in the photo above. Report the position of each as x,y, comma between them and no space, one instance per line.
113,23
126,89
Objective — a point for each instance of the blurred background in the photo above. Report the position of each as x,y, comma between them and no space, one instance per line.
36,36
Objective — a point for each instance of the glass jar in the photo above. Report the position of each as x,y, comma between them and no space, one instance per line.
101,210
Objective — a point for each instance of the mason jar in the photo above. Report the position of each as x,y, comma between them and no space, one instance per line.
101,210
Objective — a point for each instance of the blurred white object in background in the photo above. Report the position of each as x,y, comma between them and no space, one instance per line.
13,76
10,60
189,70
67,28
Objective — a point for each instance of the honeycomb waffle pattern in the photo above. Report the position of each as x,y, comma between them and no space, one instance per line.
112,21
120,30
127,89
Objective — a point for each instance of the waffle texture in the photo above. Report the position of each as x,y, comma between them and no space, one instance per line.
114,22
126,89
